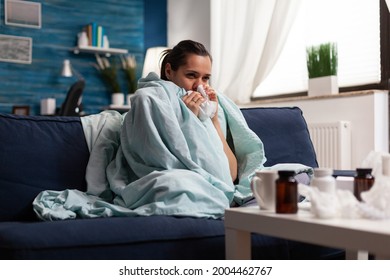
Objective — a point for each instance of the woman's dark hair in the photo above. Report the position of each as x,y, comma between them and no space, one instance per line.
177,56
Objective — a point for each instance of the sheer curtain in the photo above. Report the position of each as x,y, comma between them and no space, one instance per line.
247,37
353,24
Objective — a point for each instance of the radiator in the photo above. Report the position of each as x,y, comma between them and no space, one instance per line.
332,144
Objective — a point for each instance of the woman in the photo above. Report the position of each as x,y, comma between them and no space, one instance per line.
163,158
184,164
188,65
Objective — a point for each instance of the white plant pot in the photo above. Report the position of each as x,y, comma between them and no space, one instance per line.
118,98
323,86
48,106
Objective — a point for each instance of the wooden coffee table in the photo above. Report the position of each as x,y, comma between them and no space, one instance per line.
358,237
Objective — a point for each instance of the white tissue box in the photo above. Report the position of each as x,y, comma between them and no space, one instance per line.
344,183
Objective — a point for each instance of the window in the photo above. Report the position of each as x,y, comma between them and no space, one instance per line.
353,24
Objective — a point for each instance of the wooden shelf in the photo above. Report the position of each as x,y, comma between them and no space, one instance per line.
97,50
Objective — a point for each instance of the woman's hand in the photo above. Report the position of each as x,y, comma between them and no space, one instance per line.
193,101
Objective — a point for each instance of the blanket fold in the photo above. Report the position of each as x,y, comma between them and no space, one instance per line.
159,159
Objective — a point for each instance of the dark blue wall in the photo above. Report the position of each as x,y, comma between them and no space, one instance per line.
155,23
125,24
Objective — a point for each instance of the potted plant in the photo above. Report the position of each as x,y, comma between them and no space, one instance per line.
108,71
322,63
129,67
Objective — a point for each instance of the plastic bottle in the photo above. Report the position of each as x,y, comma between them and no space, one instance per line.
106,43
363,181
286,193
324,180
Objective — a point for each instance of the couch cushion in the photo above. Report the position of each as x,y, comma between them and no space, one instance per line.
154,237
36,154
284,133
142,238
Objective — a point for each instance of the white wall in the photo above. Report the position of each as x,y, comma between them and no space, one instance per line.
189,19
368,113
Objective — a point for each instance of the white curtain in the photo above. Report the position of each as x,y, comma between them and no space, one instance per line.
247,37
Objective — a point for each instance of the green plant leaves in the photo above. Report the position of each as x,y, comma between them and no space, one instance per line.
322,60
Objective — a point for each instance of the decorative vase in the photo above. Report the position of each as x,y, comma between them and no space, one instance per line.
323,86
82,39
118,98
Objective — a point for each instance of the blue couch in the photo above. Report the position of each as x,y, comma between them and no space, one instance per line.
39,153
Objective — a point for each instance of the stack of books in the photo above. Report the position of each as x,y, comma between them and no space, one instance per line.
96,35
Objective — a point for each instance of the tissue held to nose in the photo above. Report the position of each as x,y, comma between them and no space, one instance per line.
208,108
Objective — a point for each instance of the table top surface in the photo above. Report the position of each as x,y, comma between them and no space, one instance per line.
245,215
351,234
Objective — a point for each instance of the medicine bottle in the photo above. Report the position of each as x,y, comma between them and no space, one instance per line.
324,180
286,193
363,181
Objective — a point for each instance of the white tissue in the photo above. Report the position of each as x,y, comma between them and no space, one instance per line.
325,205
373,160
377,199
207,108
375,202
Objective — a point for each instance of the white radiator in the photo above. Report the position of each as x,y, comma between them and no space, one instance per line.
332,143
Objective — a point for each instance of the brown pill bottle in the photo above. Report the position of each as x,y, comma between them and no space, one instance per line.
286,193
362,182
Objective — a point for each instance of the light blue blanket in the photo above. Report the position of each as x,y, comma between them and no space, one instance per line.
159,159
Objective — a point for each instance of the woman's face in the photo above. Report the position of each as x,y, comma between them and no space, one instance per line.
196,71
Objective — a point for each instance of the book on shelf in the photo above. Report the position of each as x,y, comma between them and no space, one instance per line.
100,34
95,34
89,34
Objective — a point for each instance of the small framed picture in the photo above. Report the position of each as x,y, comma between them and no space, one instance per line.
15,49
22,13
21,110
